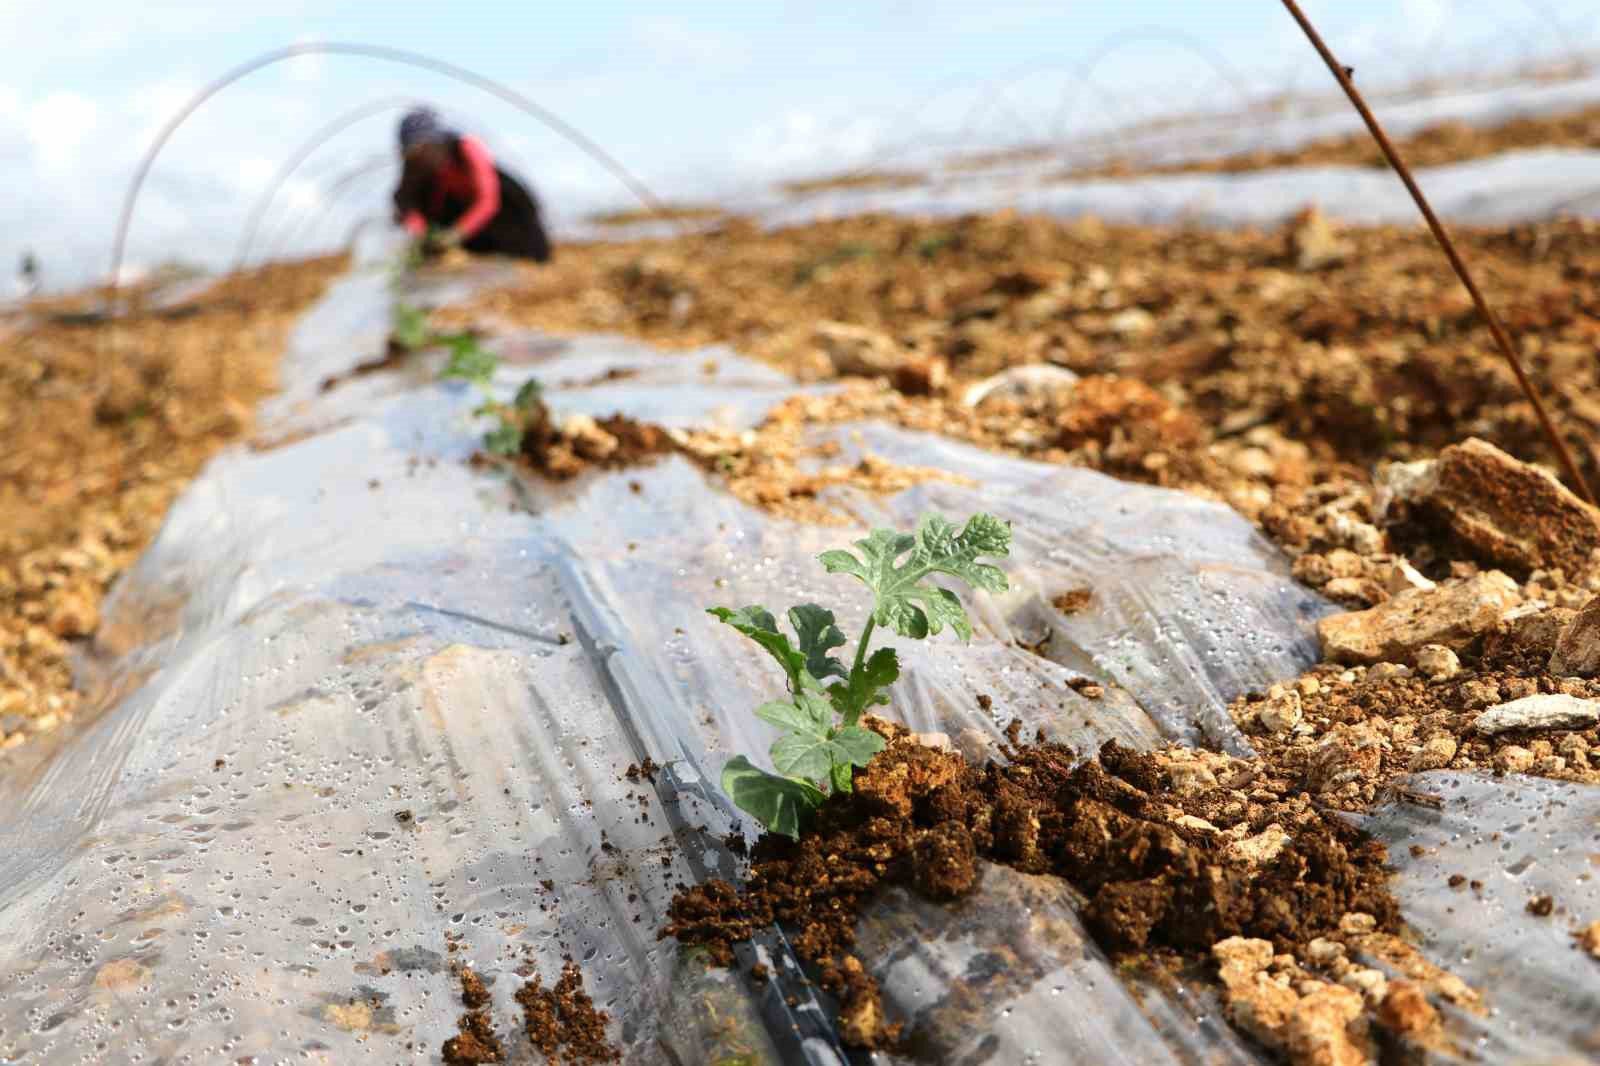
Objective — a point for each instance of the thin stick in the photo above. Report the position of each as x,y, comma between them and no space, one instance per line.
1502,339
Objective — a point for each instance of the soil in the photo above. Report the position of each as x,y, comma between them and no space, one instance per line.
1211,360
1363,728
620,442
564,451
106,422
1162,869
646,770
563,1023
476,1042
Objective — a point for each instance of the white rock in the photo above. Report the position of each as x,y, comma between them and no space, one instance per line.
1402,482
1437,662
1388,671
1261,848
1281,711
1133,322
1033,381
1352,533
1402,576
1544,711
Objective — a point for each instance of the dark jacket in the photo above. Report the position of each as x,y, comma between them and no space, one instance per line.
440,198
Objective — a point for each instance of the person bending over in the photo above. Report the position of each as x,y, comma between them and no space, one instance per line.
452,194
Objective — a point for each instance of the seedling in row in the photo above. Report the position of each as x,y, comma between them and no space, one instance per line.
823,741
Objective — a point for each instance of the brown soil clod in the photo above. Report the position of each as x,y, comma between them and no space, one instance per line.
563,1022
477,1041
1156,864
646,769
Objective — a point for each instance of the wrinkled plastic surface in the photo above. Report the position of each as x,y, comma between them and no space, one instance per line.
1511,187
1511,840
1515,186
381,704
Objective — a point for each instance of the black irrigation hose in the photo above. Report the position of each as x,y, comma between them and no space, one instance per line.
369,51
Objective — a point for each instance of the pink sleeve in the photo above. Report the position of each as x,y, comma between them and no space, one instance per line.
485,182
414,223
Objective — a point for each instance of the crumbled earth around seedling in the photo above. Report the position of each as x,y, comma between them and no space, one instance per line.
562,451
105,425
771,466
1163,866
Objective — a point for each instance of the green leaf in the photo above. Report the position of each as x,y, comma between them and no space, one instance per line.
903,601
818,636
469,360
808,713
780,804
803,755
757,623
857,746
843,777
504,439
815,757
410,327
530,394
864,688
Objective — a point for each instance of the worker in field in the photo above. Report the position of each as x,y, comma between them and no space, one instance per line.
451,194
28,274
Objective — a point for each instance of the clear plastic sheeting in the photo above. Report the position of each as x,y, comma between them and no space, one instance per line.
1009,975
1510,840
1512,187
380,708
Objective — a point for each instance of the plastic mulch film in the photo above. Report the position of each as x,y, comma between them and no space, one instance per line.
1466,874
367,713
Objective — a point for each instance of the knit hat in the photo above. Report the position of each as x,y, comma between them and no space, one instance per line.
422,126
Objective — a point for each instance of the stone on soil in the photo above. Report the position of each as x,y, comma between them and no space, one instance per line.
857,349
1577,652
1547,710
1501,510
1033,383
1450,615
1437,662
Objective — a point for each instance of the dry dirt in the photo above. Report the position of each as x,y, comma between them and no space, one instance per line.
1212,359
1166,864
103,428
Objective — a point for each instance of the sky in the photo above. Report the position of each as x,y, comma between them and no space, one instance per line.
702,100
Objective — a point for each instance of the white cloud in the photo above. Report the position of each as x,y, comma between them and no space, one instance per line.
254,172
671,41
58,125
802,140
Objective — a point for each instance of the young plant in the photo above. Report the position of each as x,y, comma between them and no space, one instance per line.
409,330
822,740
525,413
469,360
472,362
